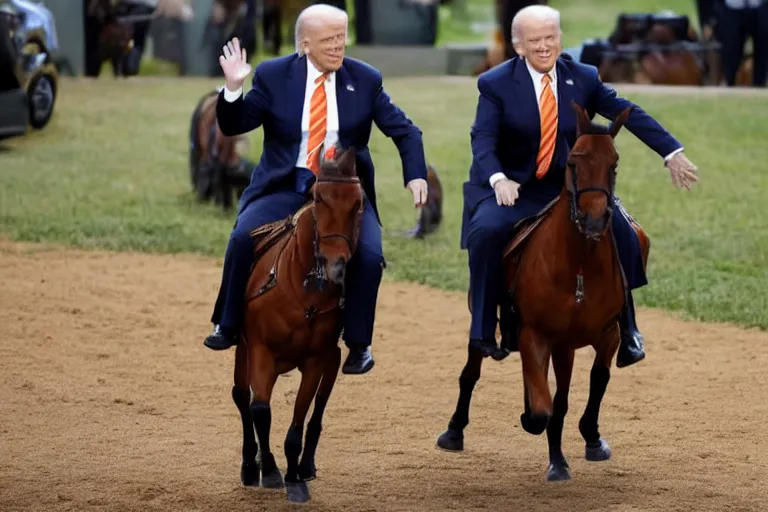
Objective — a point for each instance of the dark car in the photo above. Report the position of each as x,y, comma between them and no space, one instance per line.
28,77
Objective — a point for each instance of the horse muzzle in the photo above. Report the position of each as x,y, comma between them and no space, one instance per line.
594,228
336,270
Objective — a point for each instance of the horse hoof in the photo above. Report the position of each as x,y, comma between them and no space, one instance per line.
307,472
451,440
597,451
558,472
534,424
249,475
297,492
272,480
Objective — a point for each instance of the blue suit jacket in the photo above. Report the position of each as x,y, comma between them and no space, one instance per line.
507,129
276,102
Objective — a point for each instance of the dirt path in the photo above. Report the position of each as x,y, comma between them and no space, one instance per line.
109,401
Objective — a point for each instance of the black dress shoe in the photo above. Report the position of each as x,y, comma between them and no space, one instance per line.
219,339
631,341
358,361
486,347
630,349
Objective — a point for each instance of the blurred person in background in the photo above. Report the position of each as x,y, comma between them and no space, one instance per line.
738,20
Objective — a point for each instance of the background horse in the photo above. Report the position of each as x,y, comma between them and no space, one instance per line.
563,274
431,215
217,168
293,320
673,67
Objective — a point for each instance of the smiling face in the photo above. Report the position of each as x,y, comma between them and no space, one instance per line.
324,41
538,39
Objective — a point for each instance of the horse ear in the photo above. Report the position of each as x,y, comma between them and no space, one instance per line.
582,119
345,162
619,121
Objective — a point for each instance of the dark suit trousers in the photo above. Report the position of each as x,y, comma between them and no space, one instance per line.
733,28
364,270
489,231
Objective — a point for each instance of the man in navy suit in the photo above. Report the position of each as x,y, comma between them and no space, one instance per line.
280,184
503,187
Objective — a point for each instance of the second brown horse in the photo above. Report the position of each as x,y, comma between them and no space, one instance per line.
293,320
565,280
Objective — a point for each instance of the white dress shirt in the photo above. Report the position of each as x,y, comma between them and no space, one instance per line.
332,122
539,87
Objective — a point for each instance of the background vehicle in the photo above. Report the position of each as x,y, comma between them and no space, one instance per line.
28,77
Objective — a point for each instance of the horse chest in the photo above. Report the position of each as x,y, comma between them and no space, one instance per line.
568,299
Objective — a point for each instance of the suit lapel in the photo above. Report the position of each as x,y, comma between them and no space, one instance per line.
296,90
345,90
565,91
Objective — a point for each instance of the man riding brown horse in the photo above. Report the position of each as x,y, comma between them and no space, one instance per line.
521,137
313,96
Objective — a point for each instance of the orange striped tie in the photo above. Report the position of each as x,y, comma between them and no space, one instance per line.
318,115
548,114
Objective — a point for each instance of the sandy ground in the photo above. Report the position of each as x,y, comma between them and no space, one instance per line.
109,401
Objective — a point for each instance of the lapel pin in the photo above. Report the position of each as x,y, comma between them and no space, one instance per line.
350,88
569,81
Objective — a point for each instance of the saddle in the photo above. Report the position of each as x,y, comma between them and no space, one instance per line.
267,236
523,231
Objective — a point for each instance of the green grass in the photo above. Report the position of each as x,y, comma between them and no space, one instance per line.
110,171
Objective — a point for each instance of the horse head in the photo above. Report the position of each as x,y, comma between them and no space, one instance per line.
591,173
337,210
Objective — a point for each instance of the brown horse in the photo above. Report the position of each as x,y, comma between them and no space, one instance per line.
215,160
667,67
293,320
563,276
673,67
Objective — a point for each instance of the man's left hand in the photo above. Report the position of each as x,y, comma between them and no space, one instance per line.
418,188
684,173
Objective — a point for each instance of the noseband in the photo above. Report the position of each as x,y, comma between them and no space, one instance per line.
317,275
574,193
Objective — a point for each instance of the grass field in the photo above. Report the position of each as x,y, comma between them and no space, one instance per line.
111,171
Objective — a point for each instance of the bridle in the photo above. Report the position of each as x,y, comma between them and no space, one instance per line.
317,276
574,193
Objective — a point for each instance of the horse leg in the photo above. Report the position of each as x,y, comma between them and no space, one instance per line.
307,469
311,374
562,363
453,438
596,448
535,352
241,395
263,376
